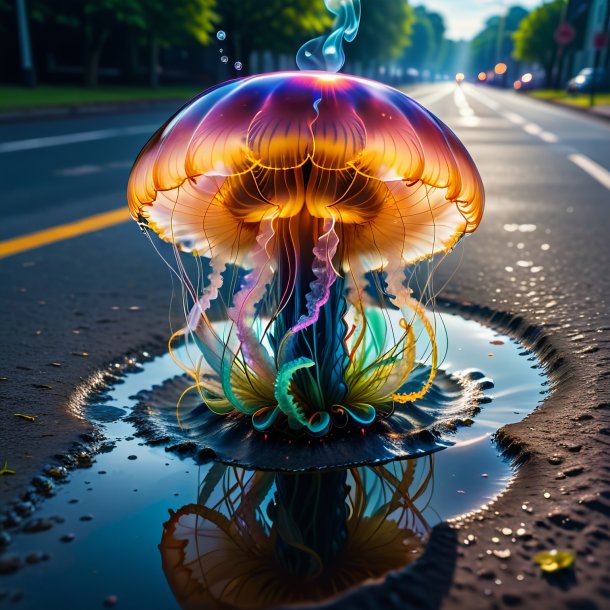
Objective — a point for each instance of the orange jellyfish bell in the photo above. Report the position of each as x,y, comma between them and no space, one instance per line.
310,182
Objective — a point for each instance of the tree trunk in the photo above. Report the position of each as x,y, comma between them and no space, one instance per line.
91,72
93,53
154,63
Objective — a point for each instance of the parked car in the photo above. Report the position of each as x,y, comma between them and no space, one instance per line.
588,77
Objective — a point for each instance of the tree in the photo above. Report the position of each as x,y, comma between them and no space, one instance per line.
494,42
195,18
98,19
427,38
272,25
385,31
534,39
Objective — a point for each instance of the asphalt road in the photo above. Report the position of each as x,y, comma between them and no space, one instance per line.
542,253
106,293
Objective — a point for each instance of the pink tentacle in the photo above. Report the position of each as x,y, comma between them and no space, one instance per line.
246,299
210,293
325,273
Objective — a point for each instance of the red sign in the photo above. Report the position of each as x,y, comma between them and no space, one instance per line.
564,34
600,40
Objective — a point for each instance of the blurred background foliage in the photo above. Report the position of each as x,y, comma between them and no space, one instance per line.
153,43
150,41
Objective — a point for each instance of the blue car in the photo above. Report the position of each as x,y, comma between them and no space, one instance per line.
588,78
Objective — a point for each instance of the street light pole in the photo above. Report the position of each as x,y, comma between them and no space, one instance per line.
27,65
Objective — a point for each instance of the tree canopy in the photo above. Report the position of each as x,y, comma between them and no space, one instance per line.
494,42
427,41
149,20
385,31
273,25
534,39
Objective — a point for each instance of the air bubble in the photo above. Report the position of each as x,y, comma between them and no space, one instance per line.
237,65
224,59
221,35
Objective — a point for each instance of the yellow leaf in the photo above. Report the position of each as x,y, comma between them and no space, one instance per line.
554,560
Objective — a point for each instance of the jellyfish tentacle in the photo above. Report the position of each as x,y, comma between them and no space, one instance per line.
421,314
265,417
401,371
245,301
210,293
308,188
324,252
284,398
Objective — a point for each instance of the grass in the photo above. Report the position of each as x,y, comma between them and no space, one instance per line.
570,99
44,96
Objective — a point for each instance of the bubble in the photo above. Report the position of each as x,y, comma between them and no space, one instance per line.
237,65
221,35
224,59
220,50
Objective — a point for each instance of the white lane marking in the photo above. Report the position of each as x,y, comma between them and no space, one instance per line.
79,170
601,174
549,137
84,170
532,129
75,138
517,119
467,114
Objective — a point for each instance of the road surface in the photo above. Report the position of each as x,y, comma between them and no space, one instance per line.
87,298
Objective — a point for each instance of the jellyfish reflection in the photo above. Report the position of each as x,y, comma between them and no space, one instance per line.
310,194
259,539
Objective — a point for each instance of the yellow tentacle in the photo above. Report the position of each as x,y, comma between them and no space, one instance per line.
411,396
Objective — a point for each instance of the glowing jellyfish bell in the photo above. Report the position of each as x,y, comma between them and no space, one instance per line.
309,194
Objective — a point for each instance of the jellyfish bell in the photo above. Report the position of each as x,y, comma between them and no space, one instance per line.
309,194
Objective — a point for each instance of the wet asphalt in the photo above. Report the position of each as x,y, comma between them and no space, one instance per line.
72,307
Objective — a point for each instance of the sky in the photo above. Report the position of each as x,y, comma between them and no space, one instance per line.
465,18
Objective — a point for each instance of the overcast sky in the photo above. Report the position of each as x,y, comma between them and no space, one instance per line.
464,18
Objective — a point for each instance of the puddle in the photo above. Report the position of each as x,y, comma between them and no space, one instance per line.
254,539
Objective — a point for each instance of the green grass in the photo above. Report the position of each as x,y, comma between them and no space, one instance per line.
579,99
45,96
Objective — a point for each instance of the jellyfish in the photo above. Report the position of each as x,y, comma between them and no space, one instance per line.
311,197
259,539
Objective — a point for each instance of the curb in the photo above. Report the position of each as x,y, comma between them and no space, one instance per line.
87,109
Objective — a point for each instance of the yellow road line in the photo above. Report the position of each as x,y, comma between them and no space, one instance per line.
61,232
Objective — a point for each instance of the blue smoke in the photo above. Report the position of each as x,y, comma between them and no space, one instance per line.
326,52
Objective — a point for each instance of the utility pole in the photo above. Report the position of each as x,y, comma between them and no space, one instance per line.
27,65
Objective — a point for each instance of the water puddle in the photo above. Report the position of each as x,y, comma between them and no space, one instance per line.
243,538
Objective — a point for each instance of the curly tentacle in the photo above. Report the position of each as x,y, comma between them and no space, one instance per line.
315,424
210,293
323,269
421,314
245,301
